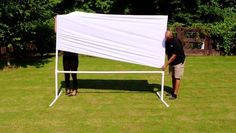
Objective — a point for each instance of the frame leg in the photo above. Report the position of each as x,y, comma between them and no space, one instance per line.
167,105
55,99
161,96
57,93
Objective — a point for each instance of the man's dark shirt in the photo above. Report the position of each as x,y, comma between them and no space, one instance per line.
174,46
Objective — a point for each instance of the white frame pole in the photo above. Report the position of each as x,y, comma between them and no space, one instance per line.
162,89
161,96
56,81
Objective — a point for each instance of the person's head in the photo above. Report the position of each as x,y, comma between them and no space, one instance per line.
169,35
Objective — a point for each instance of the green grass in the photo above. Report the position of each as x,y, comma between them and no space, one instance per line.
119,103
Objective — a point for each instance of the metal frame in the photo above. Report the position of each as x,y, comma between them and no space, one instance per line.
57,94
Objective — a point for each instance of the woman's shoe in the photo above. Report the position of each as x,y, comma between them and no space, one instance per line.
68,91
73,93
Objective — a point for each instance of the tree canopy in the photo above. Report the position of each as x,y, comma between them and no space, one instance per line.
31,21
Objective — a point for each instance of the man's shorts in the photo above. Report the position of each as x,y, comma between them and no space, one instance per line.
177,70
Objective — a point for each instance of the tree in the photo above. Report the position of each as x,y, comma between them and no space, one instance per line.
224,33
19,21
30,21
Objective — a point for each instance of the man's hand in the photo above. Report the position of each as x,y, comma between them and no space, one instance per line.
172,58
163,67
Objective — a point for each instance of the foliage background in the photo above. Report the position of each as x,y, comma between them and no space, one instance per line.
31,21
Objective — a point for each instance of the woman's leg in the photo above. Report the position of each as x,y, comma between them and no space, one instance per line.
66,67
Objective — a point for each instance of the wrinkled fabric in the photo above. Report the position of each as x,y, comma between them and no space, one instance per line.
138,39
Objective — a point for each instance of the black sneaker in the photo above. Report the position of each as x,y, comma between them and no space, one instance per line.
174,96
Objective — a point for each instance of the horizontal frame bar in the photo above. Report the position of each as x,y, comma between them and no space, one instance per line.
111,72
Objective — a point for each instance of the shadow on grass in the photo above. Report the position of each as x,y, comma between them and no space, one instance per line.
38,62
126,85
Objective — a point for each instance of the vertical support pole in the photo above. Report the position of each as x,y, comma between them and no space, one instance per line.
162,85
57,94
161,96
56,74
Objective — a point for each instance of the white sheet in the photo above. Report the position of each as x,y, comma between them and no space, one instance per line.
137,39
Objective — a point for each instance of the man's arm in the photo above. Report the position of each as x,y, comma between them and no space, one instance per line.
172,58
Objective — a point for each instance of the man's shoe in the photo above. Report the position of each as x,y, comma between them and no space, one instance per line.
174,96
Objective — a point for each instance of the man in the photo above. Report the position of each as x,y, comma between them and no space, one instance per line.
176,58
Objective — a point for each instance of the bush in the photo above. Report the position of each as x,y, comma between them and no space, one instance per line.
224,34
20,21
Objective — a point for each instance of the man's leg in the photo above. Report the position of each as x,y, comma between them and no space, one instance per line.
173,84
172,70
177,86
178,71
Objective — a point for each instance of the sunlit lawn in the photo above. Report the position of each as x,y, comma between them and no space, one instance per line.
123,103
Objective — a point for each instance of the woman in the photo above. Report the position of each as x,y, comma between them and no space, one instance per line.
70,63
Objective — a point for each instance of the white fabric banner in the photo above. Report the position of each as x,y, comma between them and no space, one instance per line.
138,39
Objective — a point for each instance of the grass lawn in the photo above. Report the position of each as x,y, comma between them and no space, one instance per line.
119,103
